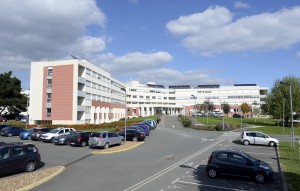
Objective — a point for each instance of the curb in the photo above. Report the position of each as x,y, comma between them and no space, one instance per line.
62,168
284,185
117,151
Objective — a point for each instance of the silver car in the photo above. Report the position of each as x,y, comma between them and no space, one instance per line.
105,139
258,138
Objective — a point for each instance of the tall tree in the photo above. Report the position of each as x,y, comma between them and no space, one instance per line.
279,93
255,109
11,99
245,107
226,108
209,105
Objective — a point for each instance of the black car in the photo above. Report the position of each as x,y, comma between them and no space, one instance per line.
237,116
35,136
11,131
80,139
133,135
16,157
64,138
238,163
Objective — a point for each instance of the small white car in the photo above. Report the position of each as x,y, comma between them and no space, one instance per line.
49,137
258,138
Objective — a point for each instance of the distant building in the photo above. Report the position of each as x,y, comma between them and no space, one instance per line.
148,99
78,92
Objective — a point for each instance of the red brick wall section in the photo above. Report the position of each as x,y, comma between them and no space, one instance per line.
62,92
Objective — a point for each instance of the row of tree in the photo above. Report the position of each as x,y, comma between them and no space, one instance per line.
208,107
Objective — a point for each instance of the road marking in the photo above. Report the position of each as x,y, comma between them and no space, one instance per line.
164,171
187,172
175,181
206,185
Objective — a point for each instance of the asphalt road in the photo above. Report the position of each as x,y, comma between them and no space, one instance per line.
172,158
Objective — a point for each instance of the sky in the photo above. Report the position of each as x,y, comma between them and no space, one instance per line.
169,42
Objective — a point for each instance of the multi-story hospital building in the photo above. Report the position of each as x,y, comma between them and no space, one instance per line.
78,92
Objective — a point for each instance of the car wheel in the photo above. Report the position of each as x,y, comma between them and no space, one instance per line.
246,142
212,173
122,142
272,144
83,144
30,166
10,134
106,146
67,142
134,139
51,140
259,177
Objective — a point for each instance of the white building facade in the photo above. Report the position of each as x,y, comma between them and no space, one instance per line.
78,92
150,99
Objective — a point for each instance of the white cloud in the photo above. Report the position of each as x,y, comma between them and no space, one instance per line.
239,4
167,77
214,31
34,30
152,67
132,62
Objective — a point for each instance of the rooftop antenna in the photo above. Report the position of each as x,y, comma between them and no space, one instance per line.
74,57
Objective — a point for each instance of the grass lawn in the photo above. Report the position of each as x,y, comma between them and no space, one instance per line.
265,125
290,162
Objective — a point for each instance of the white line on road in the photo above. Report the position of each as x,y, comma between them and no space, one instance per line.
164,171
175,181
187,172
196,184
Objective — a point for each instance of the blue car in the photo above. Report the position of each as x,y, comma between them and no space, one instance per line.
144,126
150,122
26,134
11,131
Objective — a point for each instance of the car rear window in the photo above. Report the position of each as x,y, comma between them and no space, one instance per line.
31,149
222,157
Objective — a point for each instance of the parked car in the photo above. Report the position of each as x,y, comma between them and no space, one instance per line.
11,131
80,139
3,119
49,137
150,122
105,139
237,116
133,135
238,163
16,157
258,138
2,126
26,134
64,138
35,136
145,127
141,129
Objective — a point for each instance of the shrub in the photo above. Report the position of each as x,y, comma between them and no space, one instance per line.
219,127
186,122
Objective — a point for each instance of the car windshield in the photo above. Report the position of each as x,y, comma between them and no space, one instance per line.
54,131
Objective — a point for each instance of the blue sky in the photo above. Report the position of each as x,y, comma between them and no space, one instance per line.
170,42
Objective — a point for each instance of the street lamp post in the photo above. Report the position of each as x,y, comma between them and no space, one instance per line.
27,118
283,115
194,97
222,113
125,112
292,118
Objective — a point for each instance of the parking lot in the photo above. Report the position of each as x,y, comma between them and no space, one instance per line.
194,177
186,174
